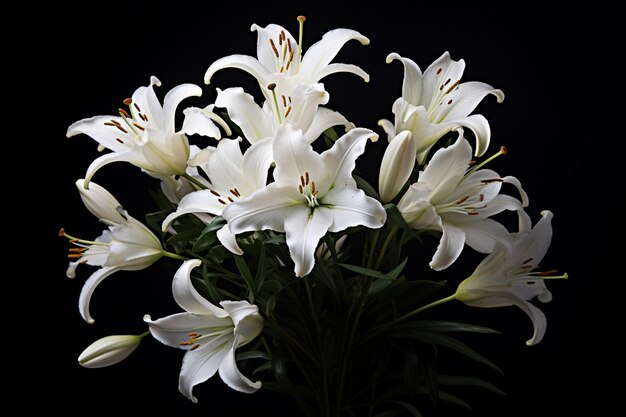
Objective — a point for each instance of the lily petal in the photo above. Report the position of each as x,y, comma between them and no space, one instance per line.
255,166
536,243
186,295
320,54
340,160
230,374
480,127
242,62
199,366
246,113
199,122
466,96
202,201
447,167
412,84
174,330
264,50
440,76
146,100
224,166
294,157
304,229
246,318
229,240
324,119
450,247
172,100
105,134
90,286
483,235
396,166
132,156
336,68
351,207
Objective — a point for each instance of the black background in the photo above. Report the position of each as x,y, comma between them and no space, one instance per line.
558,120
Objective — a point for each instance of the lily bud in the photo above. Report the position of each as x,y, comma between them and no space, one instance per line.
108,351
397,165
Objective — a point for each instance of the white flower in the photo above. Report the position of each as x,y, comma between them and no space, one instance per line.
109,350
313,194
233,177
396,166
144,135
510,276
449,198
127,245
436,103
208,333
300,109
280,59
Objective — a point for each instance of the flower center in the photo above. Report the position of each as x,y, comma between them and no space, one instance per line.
81,245
132,127
212,333
283,53
307,189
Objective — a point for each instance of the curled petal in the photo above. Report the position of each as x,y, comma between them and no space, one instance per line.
304,231
320,54
412,84
243,62
186,295
202,201
90,286
230,374
199,366
450,247
172,100
229,240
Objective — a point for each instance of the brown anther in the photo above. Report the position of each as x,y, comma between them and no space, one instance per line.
110,124
453,86
290,59
143,117
237,193
547,273
284,51
215,193
73,240
300,188
186,343
302,181
123,112
280,40
461,200
284,101
222,201
62,232
530,282
449,101
439,71
481,198
441,87
289,98
194,347
139,126
447,82
75,255
121,128
289,45
137,107
78,250
492,180
301,18
288,111
232,191
282,68
527,260
504,150
231,199
127,101
271,86
473,213
119,140
274,48
115,122
282,35
306,178
472,163
313,188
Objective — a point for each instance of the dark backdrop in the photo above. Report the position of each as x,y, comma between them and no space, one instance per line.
558,118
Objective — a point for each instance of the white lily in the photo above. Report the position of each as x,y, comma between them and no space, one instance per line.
208,333
300,109
436,103
281,61
234,176
109,350
312,194
397,165
144,135
127,245
510,276
450,198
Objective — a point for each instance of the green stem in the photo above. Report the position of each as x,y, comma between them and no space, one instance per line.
386,243
423,308
194,181
174,256
144,334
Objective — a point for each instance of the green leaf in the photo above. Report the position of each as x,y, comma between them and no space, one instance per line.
444,341
449,326
366,186
234,127
267,366
408,407
275,240
252,354
468,381
261,270
154,220
452,399
365,271
244,270
184,236
390,413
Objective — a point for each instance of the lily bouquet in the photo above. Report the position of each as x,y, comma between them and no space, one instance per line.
294,271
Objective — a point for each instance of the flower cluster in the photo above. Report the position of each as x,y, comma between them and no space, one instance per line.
274,227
